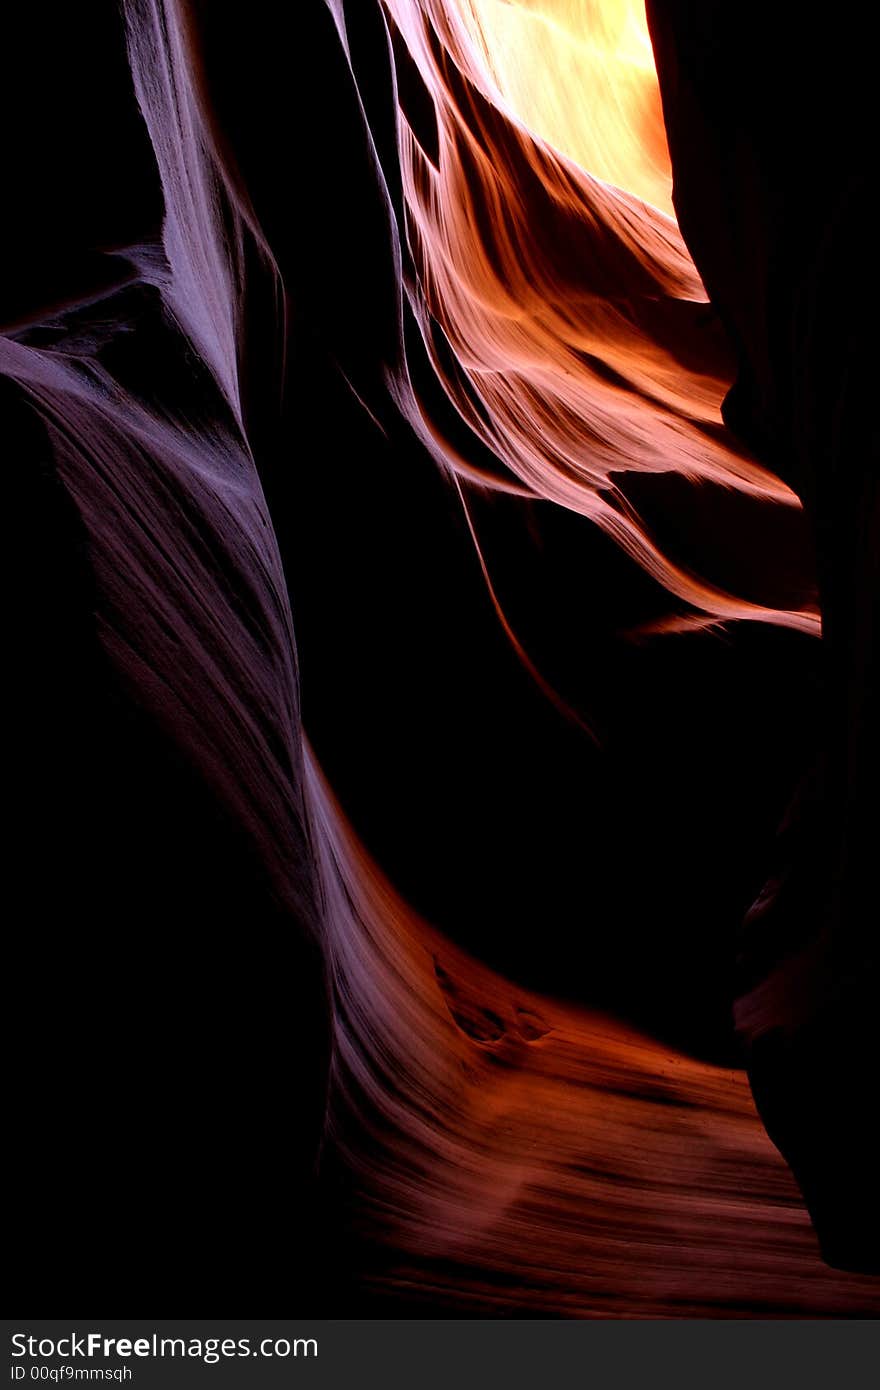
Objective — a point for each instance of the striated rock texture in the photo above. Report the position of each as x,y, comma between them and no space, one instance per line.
414,667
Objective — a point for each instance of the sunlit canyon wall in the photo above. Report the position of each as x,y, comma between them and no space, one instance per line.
418,665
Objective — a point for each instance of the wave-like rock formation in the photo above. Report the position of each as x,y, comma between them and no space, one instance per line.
415,667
